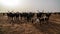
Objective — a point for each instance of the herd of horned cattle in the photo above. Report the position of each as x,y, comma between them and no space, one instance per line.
30,17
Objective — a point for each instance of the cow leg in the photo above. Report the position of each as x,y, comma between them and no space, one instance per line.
32,20
9,19
47,20
40,21
20,18
12,19
27,19
17,18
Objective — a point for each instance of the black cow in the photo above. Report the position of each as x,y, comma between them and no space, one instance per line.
58,13
45,17
29,16
12,15
23,15
17,16
48,15
3,13
39,16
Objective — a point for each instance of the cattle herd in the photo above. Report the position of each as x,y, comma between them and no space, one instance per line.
29,17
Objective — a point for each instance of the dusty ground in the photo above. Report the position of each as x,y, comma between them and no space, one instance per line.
52,27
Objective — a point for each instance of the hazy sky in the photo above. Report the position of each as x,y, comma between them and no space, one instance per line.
47,5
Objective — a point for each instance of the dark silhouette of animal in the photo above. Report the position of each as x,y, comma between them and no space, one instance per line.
45,17
12,15
21,15
39,16
17,16
27,16
30,16
48,15
3,13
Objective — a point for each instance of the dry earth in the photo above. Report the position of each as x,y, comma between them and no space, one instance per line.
52,27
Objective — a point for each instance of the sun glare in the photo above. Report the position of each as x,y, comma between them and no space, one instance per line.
11,3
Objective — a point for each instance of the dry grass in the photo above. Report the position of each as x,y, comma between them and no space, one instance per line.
28,28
